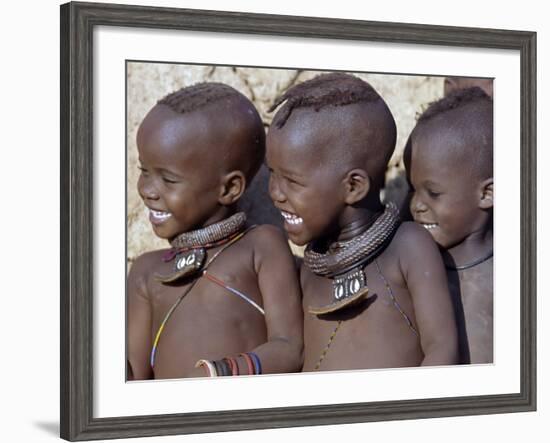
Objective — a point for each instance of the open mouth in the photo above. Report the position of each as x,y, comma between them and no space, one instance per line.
429,226
292,219
157,217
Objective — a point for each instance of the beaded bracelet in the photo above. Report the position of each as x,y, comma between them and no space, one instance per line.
249,363
209,367
225,368
233,366
218,368
229,366
257,364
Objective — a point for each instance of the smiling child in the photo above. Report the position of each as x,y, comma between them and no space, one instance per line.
449,161
225,298
375,292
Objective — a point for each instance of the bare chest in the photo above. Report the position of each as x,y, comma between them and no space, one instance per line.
205,318
377,332
473,288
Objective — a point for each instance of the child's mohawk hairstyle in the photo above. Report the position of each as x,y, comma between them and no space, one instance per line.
197,96
336,89
455,99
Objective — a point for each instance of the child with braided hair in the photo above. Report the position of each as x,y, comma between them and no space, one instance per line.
225,298
374,289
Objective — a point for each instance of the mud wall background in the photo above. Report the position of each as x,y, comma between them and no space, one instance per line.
147,82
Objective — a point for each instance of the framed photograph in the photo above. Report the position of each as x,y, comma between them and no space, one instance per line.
116,61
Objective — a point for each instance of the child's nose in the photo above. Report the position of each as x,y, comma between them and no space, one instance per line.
275,190
147,189
417,205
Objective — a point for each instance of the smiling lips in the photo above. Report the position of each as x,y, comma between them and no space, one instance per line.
292,219
429,226
158,217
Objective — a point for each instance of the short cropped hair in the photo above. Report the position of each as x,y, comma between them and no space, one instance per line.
455,99
468,112
198,96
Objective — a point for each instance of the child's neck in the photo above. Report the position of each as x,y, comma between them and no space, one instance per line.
357,219
220,214
476,246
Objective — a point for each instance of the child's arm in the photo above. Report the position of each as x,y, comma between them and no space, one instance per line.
139,323
424,273
280,288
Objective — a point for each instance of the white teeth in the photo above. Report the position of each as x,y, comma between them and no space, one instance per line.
429,226
296,221
160,215
291,218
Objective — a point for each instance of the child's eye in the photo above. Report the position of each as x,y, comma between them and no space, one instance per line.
168,180
143,170
433,194
292,182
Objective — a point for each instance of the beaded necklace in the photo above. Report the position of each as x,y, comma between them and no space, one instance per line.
471,264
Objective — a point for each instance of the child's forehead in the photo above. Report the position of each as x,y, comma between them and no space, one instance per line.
303,140
326,125
440,151
200,126
166,133
203,137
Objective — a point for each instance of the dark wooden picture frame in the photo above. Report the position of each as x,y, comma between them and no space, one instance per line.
77,214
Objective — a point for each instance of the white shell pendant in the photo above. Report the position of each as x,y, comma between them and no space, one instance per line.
348,284
348,290
186,260
189,261
185,264
339,291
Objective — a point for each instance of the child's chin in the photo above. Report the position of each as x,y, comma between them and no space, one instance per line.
297,239
441,244
299,242
163,233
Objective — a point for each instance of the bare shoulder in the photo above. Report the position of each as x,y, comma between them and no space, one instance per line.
411,238
417,253
145,265
271,249
412,244
267,237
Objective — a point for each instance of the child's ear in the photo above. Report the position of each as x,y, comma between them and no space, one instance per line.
233,186
357,185
486,194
